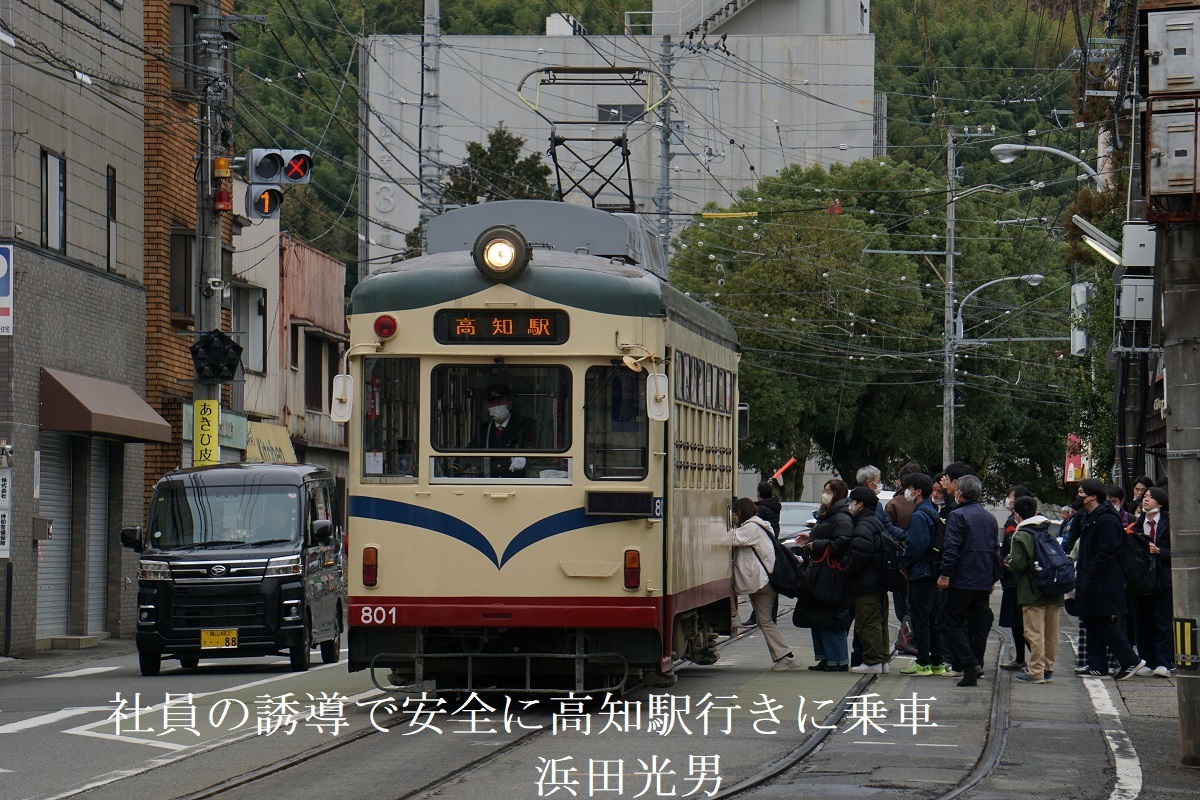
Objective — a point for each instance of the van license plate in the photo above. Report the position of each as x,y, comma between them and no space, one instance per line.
224,639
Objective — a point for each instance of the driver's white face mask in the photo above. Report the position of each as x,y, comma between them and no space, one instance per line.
500,413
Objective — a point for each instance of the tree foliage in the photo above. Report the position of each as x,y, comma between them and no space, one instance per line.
844,348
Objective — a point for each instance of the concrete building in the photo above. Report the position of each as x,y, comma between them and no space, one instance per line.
72,323
758,85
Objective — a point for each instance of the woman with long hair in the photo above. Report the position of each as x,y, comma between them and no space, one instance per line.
753,560
830,539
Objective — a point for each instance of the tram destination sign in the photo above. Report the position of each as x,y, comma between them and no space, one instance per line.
466,326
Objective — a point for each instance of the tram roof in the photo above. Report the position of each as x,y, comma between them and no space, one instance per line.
573,280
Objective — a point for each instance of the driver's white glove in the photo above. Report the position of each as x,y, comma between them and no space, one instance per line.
518,463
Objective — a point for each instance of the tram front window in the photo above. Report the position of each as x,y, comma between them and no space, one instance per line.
501,422
616,431
389,417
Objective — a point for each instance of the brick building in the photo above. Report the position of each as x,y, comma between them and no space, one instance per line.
72,331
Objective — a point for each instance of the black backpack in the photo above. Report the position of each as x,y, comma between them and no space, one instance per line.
890,578
1139,566
787,576
937,543
1053,570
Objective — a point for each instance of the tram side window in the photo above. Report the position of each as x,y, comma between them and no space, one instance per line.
616,431
389,417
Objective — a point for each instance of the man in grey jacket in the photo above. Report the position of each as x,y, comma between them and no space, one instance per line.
970,569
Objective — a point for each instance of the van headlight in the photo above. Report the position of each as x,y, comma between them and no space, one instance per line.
288,565
154,571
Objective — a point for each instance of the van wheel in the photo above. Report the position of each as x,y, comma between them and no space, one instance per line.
189,663
150,663
301,654
331,649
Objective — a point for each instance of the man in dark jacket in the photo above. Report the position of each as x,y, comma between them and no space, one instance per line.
949,481
864,580
1100,585
917,563
768,511
970,569
768,506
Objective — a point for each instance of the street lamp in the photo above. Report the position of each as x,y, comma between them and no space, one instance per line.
1008,152
954,338
1033,279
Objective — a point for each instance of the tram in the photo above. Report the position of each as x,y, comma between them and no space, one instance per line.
542,437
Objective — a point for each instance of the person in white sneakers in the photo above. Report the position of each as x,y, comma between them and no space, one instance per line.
753,559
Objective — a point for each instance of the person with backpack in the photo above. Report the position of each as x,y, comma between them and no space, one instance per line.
1153,612
1039,609
829,542
1010,607
1100,585
753,560
865,581
925,529
768,511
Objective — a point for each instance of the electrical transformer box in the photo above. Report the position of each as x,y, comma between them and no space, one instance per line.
1171,64
1172,150
1136,300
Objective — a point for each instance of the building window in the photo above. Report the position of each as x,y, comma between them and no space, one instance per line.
183,290
54,202
294,357
250,318
110,259
183,48
333,364
314,372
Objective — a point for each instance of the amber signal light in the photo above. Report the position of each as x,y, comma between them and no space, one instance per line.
633,569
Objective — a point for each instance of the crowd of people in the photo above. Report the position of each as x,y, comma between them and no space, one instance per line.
940,555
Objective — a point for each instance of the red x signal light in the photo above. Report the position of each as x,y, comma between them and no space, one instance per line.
297,166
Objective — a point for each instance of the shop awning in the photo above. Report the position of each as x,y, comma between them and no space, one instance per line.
269,444
79,404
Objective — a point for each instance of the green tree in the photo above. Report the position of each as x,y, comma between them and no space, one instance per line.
844,348
498,172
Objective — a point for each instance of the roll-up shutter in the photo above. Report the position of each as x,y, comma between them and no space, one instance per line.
54,554
98,537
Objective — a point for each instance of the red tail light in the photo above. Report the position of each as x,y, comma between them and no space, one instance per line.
633,569
386,326
370,566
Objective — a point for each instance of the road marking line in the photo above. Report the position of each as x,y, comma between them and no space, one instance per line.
51,718
129,739
1129,767
76,673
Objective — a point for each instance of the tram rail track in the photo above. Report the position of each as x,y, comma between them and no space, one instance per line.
989,758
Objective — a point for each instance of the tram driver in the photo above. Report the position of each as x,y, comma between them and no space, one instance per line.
503,430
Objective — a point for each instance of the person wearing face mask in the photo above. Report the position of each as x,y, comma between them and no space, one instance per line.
753,560
830,624
503,430
1152,612
1010,609
924,600
865,581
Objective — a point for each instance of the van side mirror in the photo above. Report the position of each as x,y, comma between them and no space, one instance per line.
342,398
322,531
131,538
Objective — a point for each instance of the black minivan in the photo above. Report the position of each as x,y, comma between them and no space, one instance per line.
240,560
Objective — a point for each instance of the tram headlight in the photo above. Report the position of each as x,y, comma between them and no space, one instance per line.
501,253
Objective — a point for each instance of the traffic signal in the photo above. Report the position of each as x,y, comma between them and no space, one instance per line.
216,357
297,166
264,165
262,201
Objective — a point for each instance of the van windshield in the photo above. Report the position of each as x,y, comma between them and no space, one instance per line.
184,517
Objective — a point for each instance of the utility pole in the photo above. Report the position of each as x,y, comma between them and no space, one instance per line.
662,198
210,72
1181,349
430,147
950,333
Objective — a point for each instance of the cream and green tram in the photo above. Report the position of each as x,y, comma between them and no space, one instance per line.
542,448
